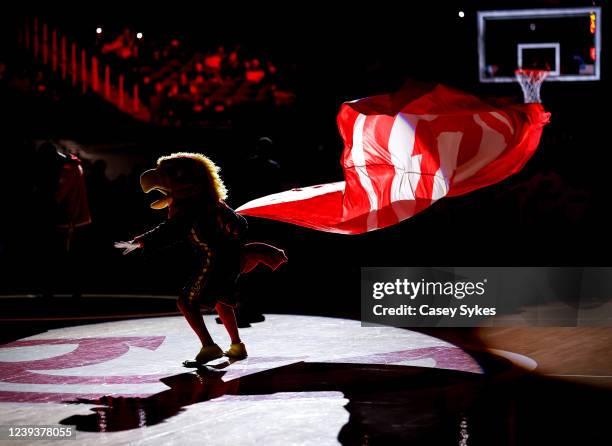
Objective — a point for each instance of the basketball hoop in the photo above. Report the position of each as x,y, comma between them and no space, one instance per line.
530,81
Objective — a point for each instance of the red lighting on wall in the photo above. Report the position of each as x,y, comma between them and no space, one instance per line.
592,53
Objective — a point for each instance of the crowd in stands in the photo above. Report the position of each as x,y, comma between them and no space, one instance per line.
183,85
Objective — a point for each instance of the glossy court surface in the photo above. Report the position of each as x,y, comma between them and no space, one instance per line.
308,380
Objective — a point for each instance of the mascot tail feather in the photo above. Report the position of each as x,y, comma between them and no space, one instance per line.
255,253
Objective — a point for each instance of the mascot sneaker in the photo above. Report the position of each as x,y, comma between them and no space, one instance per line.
208,353
236,351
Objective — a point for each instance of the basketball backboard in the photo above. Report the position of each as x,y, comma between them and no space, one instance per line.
564,41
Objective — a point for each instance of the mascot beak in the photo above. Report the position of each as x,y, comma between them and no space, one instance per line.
151,180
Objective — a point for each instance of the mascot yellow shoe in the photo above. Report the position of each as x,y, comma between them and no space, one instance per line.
208,353
236,351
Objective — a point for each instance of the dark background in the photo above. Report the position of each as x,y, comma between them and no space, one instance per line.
554,212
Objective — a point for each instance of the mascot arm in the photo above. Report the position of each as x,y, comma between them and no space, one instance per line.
166,233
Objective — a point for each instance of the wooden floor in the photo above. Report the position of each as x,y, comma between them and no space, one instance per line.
581,354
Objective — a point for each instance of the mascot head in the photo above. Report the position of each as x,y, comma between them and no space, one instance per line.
182,177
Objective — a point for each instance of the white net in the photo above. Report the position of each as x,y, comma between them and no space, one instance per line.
531,81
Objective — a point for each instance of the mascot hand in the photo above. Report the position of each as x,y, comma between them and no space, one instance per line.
127,246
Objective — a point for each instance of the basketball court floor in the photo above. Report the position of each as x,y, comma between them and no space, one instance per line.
308,380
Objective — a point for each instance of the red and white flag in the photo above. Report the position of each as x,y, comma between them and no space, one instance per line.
404,151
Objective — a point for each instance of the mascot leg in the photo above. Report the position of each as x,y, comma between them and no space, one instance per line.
226,313
191,311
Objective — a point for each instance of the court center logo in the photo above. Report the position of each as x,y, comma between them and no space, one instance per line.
20,378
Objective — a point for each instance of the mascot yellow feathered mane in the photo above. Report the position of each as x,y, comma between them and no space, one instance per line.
183,175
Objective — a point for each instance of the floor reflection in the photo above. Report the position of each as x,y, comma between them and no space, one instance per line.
390,404
387,403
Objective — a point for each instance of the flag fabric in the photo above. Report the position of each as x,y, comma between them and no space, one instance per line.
406,150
